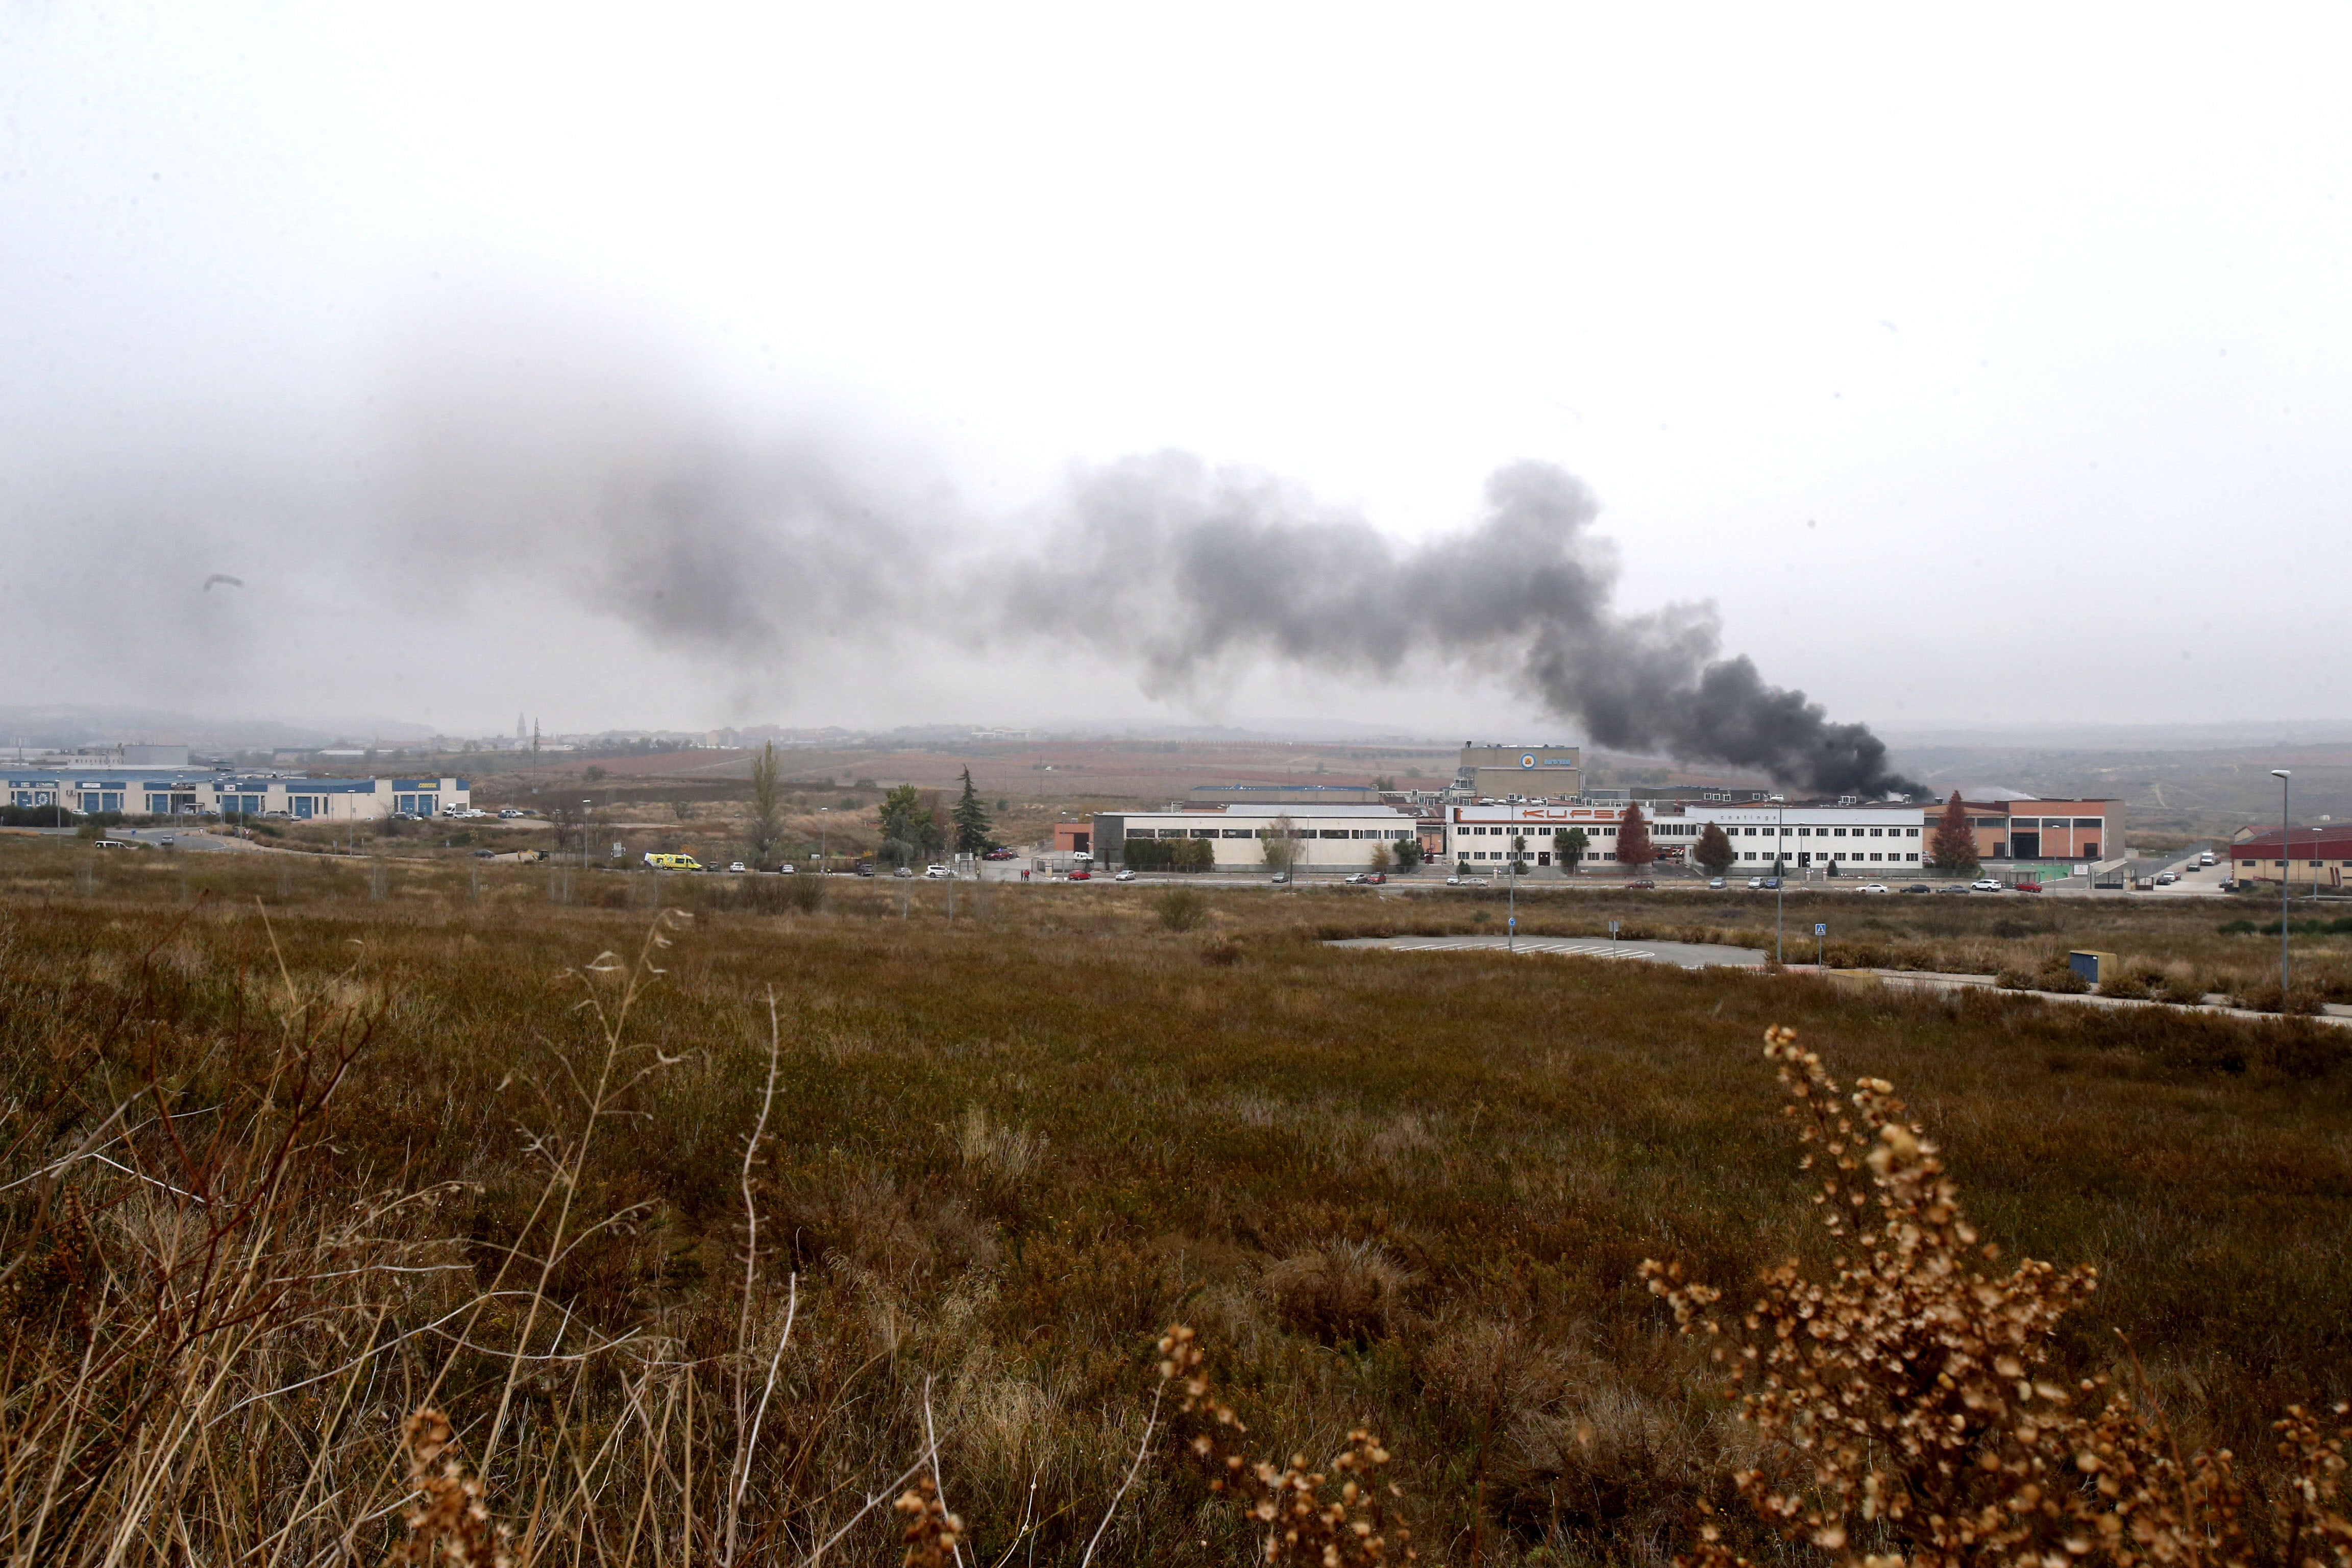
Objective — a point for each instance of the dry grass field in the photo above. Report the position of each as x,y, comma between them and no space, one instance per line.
293,1149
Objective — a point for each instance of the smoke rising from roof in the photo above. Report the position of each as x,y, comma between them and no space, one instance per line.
600,468
1185,569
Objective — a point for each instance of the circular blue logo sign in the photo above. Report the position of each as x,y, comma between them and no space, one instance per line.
1529,761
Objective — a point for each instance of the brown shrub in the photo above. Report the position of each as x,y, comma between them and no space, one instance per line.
2262,996
1909,1405
1351,1292
1221,952
1181,909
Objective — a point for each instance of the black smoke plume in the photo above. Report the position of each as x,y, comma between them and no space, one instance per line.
1188,570
598,467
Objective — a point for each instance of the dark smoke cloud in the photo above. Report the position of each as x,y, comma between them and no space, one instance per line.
597,467
1188,570
553,449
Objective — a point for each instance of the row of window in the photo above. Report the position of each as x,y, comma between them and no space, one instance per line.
1826,832
1692,830
1842,855
1384,833
2281,865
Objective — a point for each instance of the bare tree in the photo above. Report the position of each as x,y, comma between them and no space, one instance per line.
1281,838
767,833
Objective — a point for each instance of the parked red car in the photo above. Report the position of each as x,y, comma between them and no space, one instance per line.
1082,876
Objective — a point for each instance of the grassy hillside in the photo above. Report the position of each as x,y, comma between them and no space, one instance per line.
366,1153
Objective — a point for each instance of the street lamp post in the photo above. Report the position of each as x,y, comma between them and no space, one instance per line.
2286,869
1512,942
1780,878
824,841
583,833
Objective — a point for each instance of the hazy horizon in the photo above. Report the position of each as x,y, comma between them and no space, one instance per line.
821,370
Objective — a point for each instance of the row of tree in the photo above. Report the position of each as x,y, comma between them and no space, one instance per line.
914,827
1951,847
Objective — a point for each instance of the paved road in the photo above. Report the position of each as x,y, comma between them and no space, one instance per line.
2196,882
182,838
1685,954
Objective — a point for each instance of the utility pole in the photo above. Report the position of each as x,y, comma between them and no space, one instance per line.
1514,867
2286,869
1779,882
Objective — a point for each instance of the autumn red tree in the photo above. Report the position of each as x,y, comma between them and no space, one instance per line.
1953,844
1633,846
1714,850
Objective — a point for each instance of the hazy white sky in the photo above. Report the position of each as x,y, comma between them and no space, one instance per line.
1983,366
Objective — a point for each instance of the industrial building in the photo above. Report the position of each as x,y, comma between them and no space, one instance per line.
2313,857
157,792
1283,795
1532,771
1857,839
1327,837
2029,829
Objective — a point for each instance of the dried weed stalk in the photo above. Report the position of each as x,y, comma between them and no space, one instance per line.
1337,1518
451,1524
1908,1399
932,1532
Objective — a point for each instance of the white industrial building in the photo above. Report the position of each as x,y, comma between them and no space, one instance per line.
153,791
1327,837
1862,836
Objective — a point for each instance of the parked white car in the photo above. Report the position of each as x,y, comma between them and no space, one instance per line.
936,870
737,865
1873,888
1986,885
785,869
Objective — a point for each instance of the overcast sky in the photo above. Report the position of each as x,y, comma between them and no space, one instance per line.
1976,367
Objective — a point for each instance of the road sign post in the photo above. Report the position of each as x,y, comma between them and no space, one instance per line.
1820,929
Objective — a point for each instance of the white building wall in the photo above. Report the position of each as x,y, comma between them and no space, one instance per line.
1887,839
1335,838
